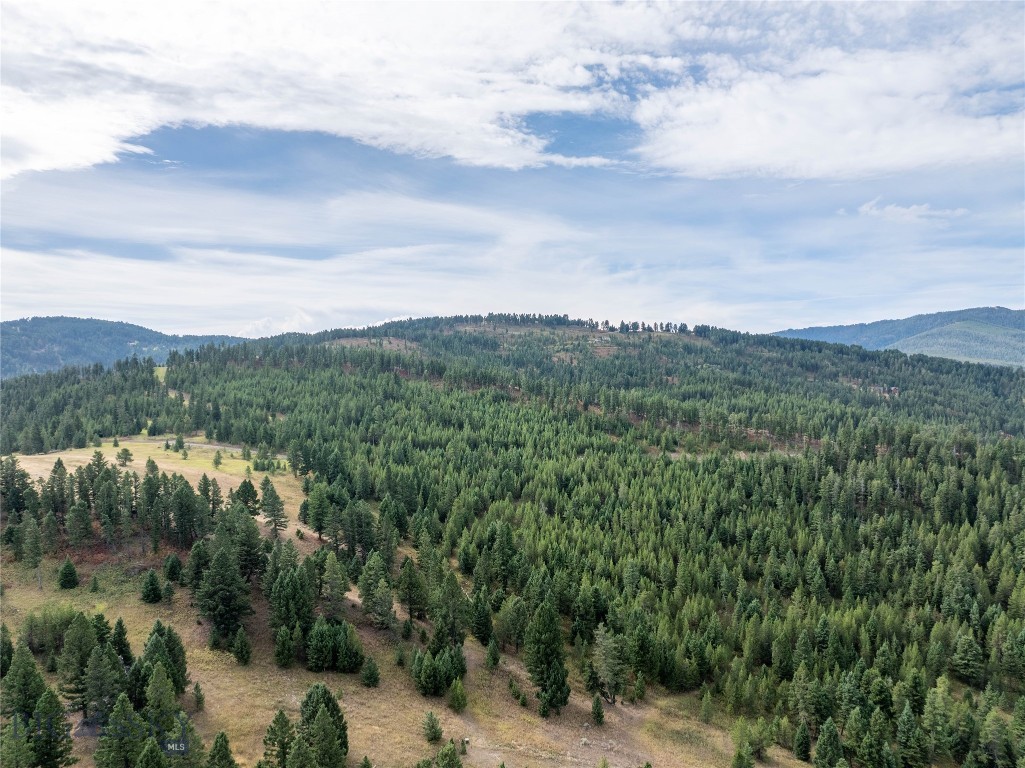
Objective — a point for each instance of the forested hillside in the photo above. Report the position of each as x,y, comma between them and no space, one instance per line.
994,335
821,543
40,344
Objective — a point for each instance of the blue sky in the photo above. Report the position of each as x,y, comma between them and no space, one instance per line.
210,169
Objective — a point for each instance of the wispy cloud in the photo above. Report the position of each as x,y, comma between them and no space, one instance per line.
798,91
909,213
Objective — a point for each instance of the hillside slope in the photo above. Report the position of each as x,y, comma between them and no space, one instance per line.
40,344
985,334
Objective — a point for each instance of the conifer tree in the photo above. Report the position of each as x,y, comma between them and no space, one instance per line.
151,755
301,756
375,592
105,681
79,524
273,510
222,596
370,675
316,697
151,591
491,658
480,618
457,696
67,576
967,659
197,564
802,742
325,739
284,654
545,658
50,733
910,741
597,710
432,728
220,753
6,650
119,642
121,741
448,757
412,589
320,646
828,748
336,584
241,648
161,704
22,686
198,697
278,740
348,649
15,747
79,641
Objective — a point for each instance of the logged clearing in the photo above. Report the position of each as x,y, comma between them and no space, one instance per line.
385,722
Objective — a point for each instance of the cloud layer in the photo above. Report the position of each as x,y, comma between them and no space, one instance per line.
722,90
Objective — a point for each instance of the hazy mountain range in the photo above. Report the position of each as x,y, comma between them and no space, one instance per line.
993,335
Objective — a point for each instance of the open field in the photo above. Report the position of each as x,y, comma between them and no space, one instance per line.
384,723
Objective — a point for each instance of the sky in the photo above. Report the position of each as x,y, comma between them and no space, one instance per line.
254,168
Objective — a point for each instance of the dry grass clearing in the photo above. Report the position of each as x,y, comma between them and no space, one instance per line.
384,722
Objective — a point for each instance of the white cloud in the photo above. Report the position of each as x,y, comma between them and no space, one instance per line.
909,213
806,91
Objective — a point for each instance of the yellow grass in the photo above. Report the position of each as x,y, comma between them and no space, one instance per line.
385,722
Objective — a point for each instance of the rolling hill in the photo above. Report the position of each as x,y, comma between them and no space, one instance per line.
40,344
994,335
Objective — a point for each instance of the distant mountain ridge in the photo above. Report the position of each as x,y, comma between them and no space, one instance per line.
994,335
40,344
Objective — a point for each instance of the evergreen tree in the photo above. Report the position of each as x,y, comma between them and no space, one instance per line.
828,748
198,697
301,756
31,542
121,741
608,655
491,657
220,753
320,646
151,755
802,742
480,618
412,589
370,676
325,739
119,642
67,576
50,733
197,563
316,697
545,658
79,642
151,591
79,524
336,584
457,696
15,747
967,659
105,681
348,649
743,757
597,710
241,648
448,757
910,741
278,740
273,510
222,596
161,704
22,686
173,568
6,650
432,728
374,591
284,653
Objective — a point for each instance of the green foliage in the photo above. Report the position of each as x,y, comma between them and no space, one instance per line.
50,733
15,747
432,728
828,749
278,740
6,650
597,710
457,696
67,576
220,753
491,658
22,685
545,659
370,675
105,681
284,651
198,697
122,740
318,697
325,739
151,755
241,648
79,642
448,757
151,591
802,742
273,510
222,595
